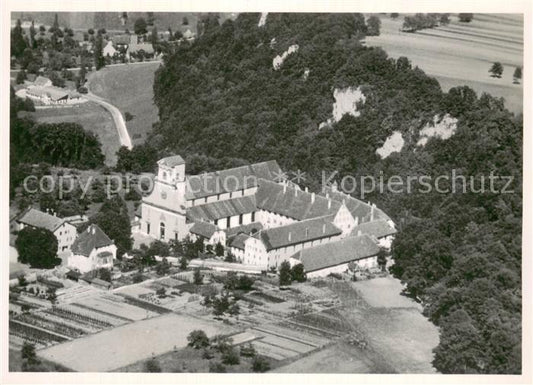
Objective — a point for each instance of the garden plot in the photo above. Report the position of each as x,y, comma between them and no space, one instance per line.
116,306
115,348
273,351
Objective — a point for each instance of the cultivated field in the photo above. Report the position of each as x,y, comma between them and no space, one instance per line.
115,348
92,117
462,53
130,89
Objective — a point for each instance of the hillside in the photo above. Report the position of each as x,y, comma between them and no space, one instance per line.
462,53
244,93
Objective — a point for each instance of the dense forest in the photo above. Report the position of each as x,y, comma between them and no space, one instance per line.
222,103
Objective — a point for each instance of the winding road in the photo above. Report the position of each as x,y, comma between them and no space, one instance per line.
120,124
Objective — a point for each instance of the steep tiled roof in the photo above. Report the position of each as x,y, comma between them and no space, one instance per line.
378,229
222,209
358,209
238,241
204,229
172,161
246,229
42,81
336,253
233,179
90,239
36,218
292,202
298,232
146,47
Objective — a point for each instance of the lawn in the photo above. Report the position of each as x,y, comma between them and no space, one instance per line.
130,89
462,53
92,117
112,349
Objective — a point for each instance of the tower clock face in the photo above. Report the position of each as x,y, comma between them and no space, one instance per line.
163,195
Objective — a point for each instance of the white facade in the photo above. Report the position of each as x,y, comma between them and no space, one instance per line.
102,257
270,220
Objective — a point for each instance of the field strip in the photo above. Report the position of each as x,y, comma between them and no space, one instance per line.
471,41
46,331
265,331
81,306
310,327
483,36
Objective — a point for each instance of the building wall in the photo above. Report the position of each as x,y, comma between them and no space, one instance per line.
235,221
325,272
152,219
221,197
92,262
255,253
277,256
66,235
238,253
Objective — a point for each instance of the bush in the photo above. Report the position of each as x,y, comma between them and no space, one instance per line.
231,357
128,116
248,350
198,339
217,367
198,277
207,354
260,364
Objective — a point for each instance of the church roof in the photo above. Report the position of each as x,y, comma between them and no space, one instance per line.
233,179
171,161
298,232
358,209
336,253
292,202
90,239
39,219
222,209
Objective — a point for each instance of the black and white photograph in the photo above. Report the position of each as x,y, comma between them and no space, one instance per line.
313,192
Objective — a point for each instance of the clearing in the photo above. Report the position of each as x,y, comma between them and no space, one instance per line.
462,53
91,116
129,88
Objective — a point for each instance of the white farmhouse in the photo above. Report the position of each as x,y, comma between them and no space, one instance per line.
92,250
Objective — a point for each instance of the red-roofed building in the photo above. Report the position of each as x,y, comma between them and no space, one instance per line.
92,250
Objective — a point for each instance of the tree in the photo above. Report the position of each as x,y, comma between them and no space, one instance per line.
382,258
184,262
496,70
219,249
466,17
444,19
21,76
30,362
184,21
231,357
139,27
373,23
517,76
37,247
104,274
162,267
18,43
260,364
99,59
298,273
198,277
285,276
394,15
198,339
113,219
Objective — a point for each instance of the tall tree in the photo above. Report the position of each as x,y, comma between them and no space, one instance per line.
37,247
496,70
285,276
99,58
139,27
114,220
18,43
